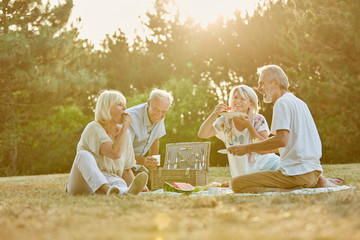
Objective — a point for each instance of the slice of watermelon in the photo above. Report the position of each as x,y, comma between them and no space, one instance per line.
182,186
185,188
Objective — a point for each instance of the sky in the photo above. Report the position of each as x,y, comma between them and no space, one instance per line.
99,18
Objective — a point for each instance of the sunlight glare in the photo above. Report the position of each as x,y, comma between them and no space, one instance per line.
208,11
99,18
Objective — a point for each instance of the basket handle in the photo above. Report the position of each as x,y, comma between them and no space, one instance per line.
165,178
187,174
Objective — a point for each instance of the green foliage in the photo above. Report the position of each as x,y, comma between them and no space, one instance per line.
48,66
130,71
53,141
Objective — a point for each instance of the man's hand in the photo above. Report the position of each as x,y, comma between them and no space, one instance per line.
238,150
150,162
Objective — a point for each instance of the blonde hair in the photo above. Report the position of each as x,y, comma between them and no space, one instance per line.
246,92
161,94
106,99
274,72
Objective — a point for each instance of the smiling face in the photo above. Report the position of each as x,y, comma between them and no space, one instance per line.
157,109
240,103
266,88
116,112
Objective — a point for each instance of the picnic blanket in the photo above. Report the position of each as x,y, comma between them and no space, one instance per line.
228,191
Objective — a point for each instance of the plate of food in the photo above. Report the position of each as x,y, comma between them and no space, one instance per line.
223,151
232,114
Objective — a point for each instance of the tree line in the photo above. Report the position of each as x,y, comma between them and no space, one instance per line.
49,78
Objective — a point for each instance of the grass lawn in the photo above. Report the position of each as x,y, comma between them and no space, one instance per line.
37,207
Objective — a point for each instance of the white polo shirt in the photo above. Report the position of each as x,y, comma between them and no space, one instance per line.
143,133
303,151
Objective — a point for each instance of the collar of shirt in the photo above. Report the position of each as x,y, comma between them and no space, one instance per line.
146,120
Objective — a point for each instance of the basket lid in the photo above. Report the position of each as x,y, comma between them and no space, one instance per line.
193,155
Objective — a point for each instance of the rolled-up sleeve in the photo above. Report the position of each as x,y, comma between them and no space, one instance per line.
281,117
94,136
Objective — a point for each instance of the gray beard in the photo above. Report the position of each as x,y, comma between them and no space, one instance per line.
268,95
267,98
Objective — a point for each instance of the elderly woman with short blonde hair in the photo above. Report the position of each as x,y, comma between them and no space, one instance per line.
105,153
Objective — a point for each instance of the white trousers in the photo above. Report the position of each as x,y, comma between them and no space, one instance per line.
86,177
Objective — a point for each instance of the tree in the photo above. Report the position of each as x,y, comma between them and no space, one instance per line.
50,68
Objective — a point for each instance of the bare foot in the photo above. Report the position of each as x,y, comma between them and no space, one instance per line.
337,181
324,183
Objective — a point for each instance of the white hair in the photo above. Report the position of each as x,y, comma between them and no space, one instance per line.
274,72
246,92
106,99
161,94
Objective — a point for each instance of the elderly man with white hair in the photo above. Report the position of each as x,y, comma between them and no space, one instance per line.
148,127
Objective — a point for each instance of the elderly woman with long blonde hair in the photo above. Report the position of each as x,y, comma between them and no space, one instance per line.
239,129
105,153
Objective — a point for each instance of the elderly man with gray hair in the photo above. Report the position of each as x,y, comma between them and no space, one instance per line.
148,126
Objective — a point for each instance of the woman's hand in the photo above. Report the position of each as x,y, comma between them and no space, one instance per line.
221,107
206,129
242,122
126,120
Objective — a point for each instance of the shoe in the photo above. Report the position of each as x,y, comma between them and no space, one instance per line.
138,184
113,190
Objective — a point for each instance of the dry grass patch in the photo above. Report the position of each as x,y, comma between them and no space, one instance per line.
36,207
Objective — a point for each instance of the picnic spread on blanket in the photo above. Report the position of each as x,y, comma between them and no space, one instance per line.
222,191
185,172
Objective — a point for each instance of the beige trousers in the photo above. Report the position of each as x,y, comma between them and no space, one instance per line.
259,181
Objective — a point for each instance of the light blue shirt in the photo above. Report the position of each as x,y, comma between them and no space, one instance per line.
143,133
